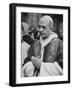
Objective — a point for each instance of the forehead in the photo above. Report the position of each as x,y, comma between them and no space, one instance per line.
43,23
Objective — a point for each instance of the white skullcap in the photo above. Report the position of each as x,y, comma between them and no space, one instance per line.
47,20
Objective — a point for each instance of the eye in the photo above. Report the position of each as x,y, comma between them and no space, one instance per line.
39,26
44,27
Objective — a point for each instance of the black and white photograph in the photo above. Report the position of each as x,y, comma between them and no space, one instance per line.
41,44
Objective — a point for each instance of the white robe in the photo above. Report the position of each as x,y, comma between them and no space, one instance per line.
24,49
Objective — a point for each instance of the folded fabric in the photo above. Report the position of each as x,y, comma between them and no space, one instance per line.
47,69
50,69
28,70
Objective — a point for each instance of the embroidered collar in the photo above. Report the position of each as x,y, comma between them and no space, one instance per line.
48,40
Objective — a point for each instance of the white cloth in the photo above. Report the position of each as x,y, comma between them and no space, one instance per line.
50,69
28,69
24,49
47,69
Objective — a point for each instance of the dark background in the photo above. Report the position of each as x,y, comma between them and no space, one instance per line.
33,19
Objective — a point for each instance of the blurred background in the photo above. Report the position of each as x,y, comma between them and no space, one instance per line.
32,20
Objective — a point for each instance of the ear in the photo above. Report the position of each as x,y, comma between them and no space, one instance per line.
51,25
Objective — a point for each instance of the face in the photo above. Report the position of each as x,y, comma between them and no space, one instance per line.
44,29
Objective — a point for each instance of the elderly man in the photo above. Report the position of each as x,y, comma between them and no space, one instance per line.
45,55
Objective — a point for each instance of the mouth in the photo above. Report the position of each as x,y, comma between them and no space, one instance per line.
42,33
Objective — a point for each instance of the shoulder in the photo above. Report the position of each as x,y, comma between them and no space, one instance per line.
56,40
55,43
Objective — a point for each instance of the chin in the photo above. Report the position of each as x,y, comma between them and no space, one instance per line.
43,37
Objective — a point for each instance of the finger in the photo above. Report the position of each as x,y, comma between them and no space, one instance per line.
35,62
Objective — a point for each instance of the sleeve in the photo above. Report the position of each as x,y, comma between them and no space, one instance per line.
28,69
28,39
35,49
26,60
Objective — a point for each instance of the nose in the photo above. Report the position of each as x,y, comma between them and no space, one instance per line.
41,29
